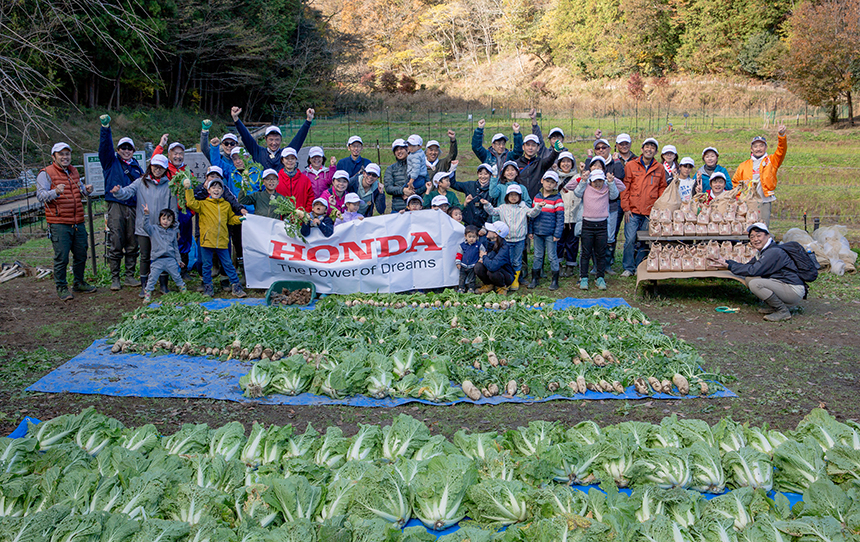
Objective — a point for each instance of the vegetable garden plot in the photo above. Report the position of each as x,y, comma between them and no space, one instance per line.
364,355
681,480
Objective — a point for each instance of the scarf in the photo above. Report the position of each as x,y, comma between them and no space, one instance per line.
431,165
707,170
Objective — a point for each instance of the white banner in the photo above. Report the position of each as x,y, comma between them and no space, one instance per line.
388,253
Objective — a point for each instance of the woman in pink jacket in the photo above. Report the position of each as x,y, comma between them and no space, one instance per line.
319,175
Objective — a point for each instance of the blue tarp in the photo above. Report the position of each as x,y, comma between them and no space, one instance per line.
97,371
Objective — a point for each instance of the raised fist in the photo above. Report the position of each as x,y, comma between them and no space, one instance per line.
205,125
481,123
105,120
214,142
516,127
234,112
310,114
163,141
333,161
598,133
533,115
451,135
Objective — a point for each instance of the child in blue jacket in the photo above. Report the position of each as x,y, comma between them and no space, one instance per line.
546,228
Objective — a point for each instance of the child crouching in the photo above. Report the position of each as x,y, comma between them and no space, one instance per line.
165,250
215,215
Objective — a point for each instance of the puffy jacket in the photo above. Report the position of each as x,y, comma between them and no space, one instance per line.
645,184
488,156
572,204
351,166
370,198
163,240
769,166
499,189
65,208
515,216
473,212
395,180
115,171
297,186
706,178
771,263
500,260
156,195
532,170
443,164
550,219
262,202
215,216
262,155
320,180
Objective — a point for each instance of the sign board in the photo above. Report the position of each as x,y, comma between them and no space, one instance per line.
388,253
94,174
196,164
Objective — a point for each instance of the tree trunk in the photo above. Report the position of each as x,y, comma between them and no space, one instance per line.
117,87
833,114
91,91
850,109
178,79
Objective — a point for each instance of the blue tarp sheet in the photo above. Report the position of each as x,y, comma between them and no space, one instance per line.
97,371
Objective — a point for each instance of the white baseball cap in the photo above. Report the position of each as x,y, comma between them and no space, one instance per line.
341,174
556,130
597,174
623,138
499,228
415,139
414,197
550,174
315,151
159,160
124,141
439,176
568,155
498,136
718,175
174,145
652,141
397,143
227,136
321,200
486,167
514,188
598,141
268,172
373,168
439,201
354,139
533,138
352,197
687,161
215,169
758,226
236,150
433,142
714,149
273,129
598,158
669,148
509,163
289,151
60,146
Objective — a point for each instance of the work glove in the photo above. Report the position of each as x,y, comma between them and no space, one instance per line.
206,124
105,120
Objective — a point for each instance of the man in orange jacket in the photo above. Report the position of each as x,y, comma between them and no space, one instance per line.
646,180
763,167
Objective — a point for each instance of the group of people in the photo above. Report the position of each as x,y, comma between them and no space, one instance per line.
535,193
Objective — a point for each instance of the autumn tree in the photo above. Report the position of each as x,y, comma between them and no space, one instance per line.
824,53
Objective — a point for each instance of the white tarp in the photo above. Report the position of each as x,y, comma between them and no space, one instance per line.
388,253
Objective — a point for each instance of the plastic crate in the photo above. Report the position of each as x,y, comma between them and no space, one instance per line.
278,286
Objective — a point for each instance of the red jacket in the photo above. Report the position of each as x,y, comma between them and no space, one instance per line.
171,169
298,186
644,186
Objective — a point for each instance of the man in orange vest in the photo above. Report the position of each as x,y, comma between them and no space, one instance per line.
762,167
59,188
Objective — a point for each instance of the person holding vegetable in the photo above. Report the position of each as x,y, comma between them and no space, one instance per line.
772,275
319,219
119,168
494,267
269,157
763,167
218,150
59,189
264,200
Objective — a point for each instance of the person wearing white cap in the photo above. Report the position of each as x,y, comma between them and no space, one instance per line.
433,150
495,268
546,229
439,202
119,168
686,183
669,156
763,167
772,275
568,246
353,163
351,203
645,180
498,153
292,182
316,171
532,166
515,213
59,189
718,185
416,162
176,162
263,201
710,157
441,186
269,157
319,219
473,212
555,134
336,194
366,185
509,173
217,151
622,155
397,182
413,203
595,194
152,191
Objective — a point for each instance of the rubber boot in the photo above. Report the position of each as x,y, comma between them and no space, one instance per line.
535,279
516,284
162,282
115,283
554,284
143,280
780,311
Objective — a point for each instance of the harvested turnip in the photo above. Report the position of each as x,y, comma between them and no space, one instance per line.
616,385
605,386
599,360
491,357
277,355
655,384
667,386
477,365
584,355
493,389
471,391
511,388
580,384
681,383
524,389
552,386
485,392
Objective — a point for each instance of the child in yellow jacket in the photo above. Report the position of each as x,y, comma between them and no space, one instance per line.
215,215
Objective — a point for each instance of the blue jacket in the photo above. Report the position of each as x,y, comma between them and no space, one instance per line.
326,227
352,166
488,156
262,155
706,179
497,192
500,260
473,212
550,221
772,263
213,154
116,172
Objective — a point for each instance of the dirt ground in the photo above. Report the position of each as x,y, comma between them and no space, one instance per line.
779,371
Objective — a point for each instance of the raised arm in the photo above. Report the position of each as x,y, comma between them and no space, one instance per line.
299,139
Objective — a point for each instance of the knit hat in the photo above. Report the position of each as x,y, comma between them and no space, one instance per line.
623,138
268,172
60,146
125,141
174,145
289,151
439,176
373,168
156,160
415,139
651,141
315,151
499,136
352,197
354,139
397,143
216,170
439,201
499,228
273,130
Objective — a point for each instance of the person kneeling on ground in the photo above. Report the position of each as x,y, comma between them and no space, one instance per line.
772,276
494,268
